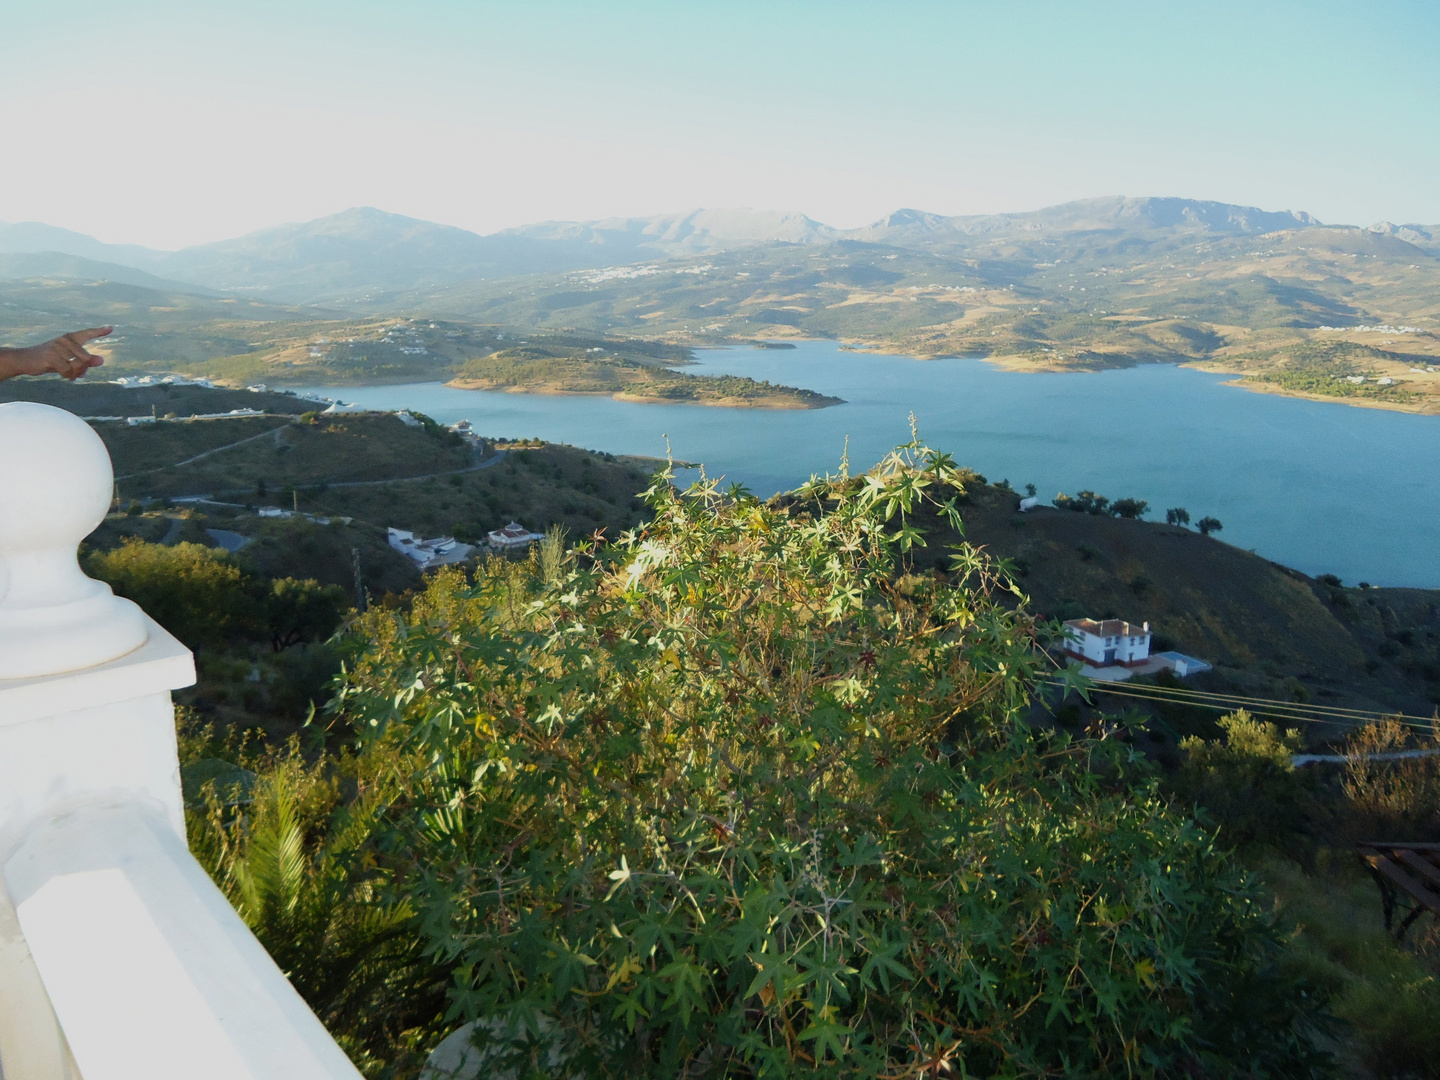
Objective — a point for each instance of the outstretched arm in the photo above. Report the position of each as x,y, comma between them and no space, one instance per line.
65,355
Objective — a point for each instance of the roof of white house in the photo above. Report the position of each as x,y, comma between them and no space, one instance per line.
1107,627
514,530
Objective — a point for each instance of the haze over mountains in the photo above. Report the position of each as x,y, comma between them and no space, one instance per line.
361,255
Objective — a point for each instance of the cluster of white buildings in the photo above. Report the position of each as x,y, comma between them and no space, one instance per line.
445,550
135,381
441,551
1383,328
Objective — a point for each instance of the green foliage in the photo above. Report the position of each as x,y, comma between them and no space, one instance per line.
1388,998
1207,525
1245,780
196,592
300,611
1329,368
1177,515
746,795
204,597
1087,502
301,868
1132,509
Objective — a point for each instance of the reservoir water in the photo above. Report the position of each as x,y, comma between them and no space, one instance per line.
1325,488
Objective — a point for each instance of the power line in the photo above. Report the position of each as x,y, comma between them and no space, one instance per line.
1185,693
1266,707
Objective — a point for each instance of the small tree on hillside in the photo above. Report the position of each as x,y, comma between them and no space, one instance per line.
1177,515
197,593
1132,509
299,611
1207,525
1087,502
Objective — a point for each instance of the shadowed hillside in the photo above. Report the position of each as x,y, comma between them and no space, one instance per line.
1270,631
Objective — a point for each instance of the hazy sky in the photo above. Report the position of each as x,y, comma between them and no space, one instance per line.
173,123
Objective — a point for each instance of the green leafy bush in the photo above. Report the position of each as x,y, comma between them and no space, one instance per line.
196,592
299,865
1245,780
206,599
746,795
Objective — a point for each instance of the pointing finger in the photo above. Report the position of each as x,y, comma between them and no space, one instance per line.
80,337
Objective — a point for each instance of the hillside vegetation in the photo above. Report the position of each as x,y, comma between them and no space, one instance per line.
371,468
753,798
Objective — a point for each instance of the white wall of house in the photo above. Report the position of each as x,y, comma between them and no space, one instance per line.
1118,643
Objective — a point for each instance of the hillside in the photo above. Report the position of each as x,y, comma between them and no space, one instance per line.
180,334
371,468
1270,631
93,397
1070,301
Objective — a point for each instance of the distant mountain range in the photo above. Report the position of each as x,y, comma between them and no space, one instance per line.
363,256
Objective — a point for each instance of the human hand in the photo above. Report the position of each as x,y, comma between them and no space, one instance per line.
64,355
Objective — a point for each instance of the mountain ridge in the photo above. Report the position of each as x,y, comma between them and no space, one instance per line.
362,255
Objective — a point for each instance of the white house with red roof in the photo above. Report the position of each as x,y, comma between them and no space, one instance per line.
1107,642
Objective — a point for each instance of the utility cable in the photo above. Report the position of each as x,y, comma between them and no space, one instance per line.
1269,708
1303,708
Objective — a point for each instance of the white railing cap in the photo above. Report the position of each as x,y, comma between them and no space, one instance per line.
55,488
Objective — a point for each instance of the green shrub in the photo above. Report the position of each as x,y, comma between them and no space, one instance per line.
1245,780
1133,509
1385,996
196,592
300,866
744,795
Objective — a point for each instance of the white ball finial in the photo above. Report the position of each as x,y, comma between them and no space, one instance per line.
55,484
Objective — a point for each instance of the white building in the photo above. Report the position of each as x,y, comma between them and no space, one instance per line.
513,536
406,419
427,553
1107,642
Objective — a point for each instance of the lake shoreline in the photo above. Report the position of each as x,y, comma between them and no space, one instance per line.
1258,386
1023,365
778,403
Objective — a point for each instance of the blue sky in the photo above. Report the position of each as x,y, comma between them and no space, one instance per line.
170,123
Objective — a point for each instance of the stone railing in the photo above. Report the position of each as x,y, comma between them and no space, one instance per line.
119,958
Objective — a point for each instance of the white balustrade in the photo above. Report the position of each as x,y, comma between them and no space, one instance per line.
119,958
